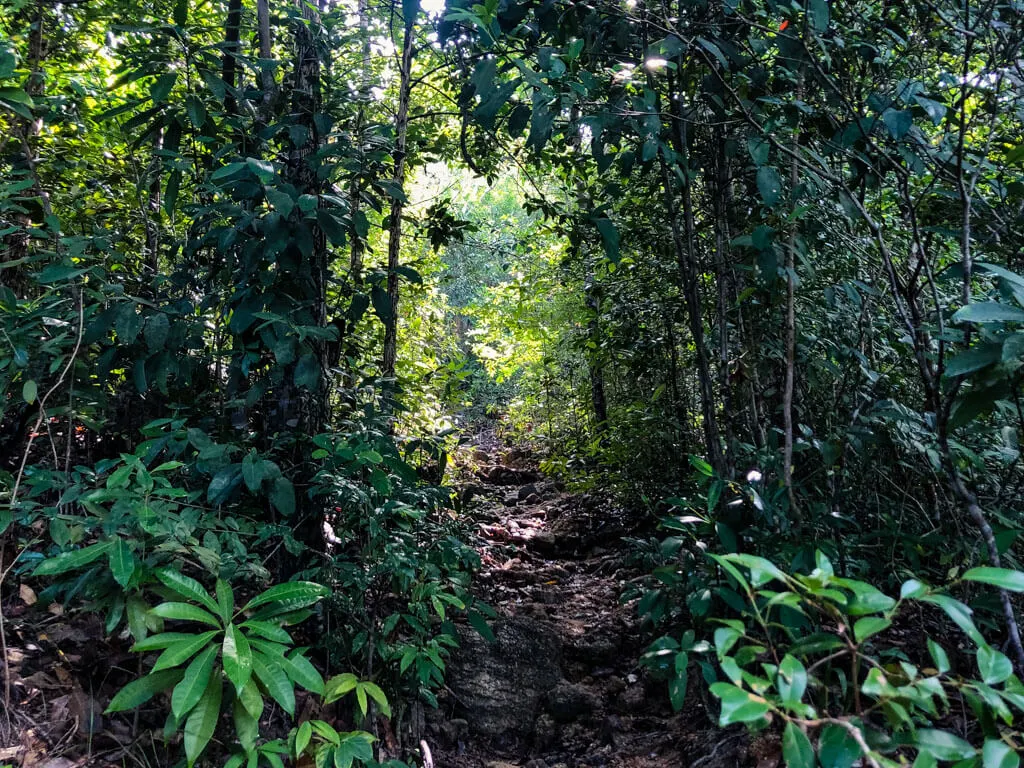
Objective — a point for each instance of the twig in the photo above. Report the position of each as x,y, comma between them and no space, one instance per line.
428,759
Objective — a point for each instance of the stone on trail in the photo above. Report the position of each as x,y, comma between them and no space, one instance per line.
499,686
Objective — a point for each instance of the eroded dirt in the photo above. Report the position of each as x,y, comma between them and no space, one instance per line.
558,559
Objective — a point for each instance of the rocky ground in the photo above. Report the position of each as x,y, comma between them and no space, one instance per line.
559,686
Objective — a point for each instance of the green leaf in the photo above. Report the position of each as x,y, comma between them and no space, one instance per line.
225,600
993,665
302,737
1004,578
374,692
237,657
265,629
162,86
202,722
943,745
183,650
792,680
186,586
869,626
17,100
769,184
974,359
837,748
140,691
70,561
282,496
29,391
171,193
275,681
989,312
998,754
122,562
302,672
959,613
939,656
252,471
291,595
197,677
161,641
738,706
677,689
307,372
184,612
251,699
247,728
796,747
899,122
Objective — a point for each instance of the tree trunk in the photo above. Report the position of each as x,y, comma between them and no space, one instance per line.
390,356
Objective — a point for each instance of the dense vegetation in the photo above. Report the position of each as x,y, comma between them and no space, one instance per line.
755,267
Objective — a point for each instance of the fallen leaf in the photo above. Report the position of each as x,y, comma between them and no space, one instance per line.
27,594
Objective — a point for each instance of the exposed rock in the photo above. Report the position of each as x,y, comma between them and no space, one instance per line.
545,733
526,492
499,685
569,701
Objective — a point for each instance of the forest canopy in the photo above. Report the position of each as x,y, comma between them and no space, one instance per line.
750,270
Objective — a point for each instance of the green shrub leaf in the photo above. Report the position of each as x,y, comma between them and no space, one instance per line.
1004,578
237,657
796,747
197,677
202,721
186,586
142,690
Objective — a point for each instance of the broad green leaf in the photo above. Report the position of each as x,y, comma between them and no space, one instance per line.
943,745
184,612
1004,578
988,312
183,650
225,600
291,595
374,692
247,728
252,699
796,747
267,630
939,656
237,657
186,586
122,562
869,626
302,672
959,613
302,737
792,680
202,721
197,677
282,496
275,681
993,665
998,754
769,184
837,748
738,706
142,690
71,561
29,391
252,472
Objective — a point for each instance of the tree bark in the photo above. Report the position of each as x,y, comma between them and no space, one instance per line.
390,355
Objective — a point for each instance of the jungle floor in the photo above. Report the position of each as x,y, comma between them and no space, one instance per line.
558,686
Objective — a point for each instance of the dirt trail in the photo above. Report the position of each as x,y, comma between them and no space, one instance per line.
554,566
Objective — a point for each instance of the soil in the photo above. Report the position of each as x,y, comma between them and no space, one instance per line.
558,559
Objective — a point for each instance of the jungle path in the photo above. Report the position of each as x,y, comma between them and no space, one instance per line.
558,686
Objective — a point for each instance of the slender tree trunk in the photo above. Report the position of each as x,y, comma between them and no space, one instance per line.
787,392
266,52
358,246
397,206
229,64
24,133
596,367
723,283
